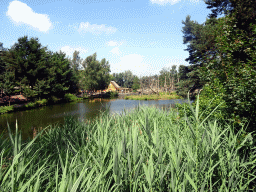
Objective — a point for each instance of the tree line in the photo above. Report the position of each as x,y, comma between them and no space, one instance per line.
33,70
36,72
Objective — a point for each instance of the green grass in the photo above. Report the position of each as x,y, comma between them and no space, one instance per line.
161,96
144,150
41,102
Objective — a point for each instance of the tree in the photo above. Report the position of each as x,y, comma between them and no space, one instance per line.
128,79
28,59
104,73
219,7
136,83
188,80
7,77
96,74
173,77
119,79
236,71
60,77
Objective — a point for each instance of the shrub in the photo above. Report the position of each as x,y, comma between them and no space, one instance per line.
6,109
53,99
208,100
111,94
70,97
41,102
30,105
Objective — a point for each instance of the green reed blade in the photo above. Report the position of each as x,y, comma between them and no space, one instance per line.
38,172
191,181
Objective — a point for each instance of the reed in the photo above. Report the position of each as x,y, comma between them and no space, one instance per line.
144,150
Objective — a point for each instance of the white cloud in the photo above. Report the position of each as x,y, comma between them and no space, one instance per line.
162,2
133,62
69,50
20,13
114,43
95,29
116,50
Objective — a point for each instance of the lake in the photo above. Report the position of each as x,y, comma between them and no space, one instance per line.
83,110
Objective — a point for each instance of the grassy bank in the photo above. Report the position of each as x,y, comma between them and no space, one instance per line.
52,100
40,103
145,150
161,96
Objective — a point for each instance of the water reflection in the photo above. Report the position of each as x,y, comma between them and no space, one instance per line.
86,110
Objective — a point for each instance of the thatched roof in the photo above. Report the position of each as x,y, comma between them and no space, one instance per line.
115,84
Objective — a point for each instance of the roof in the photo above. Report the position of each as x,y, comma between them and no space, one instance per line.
115,84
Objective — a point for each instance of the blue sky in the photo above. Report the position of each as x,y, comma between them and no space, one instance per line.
138,35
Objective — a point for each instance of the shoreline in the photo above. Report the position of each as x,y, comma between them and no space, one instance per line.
40,103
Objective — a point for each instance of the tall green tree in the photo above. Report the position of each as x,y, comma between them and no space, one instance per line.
136,83
236,68
28,58
96,74
119,78
104,73
59,79
128,79
7,75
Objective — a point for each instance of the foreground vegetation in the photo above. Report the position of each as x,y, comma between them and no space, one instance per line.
145,150
161,96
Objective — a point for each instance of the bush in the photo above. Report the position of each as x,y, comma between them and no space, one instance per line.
6,109
70,97
30,105
53,99
41,102
111,94
208,100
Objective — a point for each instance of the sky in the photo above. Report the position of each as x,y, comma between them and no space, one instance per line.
143,36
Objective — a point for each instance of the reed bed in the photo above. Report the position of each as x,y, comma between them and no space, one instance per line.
144,150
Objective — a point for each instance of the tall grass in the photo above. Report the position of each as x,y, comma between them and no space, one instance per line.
145,150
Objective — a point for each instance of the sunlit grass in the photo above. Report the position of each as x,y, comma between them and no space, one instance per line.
161,96
144,150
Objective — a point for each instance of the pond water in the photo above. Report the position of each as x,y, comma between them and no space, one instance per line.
83,110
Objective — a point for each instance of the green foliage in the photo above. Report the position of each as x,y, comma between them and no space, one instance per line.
36,71
6,109
145,150
210,98
60,75
53,99
31,105
136,84
70,97
113,94
118,78
96,74
189,80
224,48
41,102
125,79
236,70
